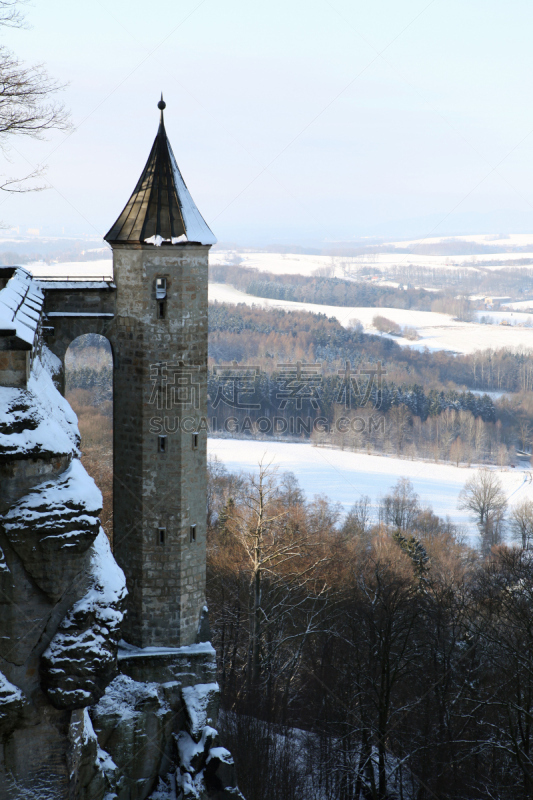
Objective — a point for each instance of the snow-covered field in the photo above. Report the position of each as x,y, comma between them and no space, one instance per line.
511,317
506,240
436,331
300,264
344,476
290,264
522,305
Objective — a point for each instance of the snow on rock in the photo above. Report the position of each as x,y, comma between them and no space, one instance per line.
204,766
37,421
221,753
83,757
134,718
193,755
125,699
52,525
219,773
52,364
82,656
191,787
201,704
3,562
12,706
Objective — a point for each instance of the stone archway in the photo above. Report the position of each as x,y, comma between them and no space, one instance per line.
67,329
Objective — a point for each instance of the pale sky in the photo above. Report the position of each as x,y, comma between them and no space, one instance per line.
293,121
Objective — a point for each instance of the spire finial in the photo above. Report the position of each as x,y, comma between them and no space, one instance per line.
161,105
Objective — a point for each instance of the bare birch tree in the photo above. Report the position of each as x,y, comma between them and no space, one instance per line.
484,497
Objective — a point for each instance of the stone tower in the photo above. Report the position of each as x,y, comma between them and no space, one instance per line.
160,246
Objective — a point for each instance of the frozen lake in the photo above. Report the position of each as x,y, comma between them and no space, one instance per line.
344,476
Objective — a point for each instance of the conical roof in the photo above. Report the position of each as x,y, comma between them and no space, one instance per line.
161,205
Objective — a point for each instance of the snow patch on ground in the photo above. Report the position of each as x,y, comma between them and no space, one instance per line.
343,476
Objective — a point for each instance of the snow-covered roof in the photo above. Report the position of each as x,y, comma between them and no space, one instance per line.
21,303
161,207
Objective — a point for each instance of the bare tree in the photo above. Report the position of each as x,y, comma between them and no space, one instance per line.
401,507
10,15
277,550
483,496
357,522
401,420
26,104
524,432
503,455
457,451
385,325
522,523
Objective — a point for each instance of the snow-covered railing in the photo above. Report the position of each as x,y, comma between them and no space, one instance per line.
52,280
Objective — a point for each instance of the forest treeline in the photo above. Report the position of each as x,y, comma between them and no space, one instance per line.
447,289
354,390
320,289
257,335
265,337
448,431
474,279
422,407
368,658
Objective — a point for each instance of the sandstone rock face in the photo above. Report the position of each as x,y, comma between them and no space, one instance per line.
25,612
45,564
85,759
81,658
157,737
37,422
201,704
51,526
133,722
70,729
59,585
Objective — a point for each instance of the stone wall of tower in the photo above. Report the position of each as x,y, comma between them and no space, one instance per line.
155,490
